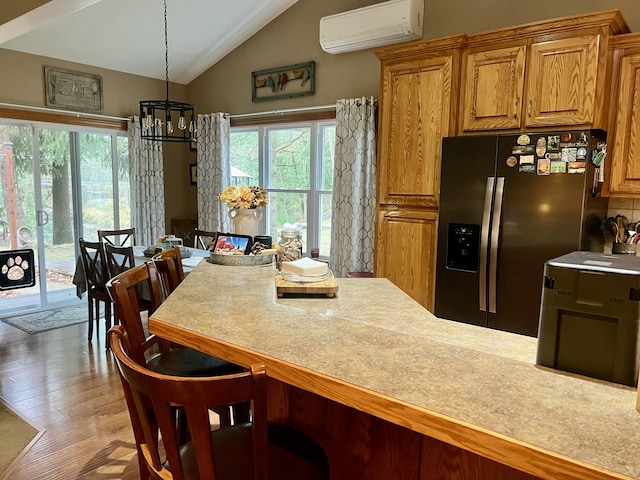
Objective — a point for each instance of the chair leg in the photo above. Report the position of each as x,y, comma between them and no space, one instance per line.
107,323
90,307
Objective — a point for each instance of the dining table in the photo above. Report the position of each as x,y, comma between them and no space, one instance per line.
139,256
391,391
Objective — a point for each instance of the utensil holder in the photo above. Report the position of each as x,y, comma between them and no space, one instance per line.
624,248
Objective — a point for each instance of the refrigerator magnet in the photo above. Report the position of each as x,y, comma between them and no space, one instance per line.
581,153
553,142
512,161
576,167
541,150
524,140
541,142
543,166
558,167
569,154
583,139
526,160
527,169
565,137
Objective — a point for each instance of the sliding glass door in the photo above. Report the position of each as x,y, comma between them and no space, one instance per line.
58,185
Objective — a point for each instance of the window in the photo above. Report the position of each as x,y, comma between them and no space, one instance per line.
294,163
68,182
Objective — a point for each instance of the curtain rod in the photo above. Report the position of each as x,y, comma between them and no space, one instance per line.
283,111
63,112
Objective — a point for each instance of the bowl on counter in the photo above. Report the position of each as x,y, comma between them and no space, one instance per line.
241,260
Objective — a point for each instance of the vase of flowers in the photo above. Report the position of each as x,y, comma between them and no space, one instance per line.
245,207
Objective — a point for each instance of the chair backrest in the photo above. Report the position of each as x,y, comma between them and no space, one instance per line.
119,259
170,270
203,239
94,264
152,398
126,290
118,237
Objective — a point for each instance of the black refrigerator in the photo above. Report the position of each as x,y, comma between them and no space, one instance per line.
509,203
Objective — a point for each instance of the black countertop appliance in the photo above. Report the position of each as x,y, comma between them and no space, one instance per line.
590,314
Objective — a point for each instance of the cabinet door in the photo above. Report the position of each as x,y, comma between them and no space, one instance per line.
561,82
406,251
493,86
415,114
625,155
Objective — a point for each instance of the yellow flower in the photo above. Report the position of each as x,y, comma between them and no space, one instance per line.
243,197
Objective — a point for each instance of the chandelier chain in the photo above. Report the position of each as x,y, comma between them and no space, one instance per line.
166,49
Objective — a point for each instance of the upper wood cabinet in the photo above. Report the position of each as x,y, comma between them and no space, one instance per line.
547,74
623,160
562,78
493,86
415,113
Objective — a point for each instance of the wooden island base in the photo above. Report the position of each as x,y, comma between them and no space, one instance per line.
362,446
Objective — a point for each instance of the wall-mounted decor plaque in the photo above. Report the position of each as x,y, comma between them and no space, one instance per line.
283,82
72,90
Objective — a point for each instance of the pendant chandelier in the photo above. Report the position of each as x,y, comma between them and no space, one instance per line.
164,120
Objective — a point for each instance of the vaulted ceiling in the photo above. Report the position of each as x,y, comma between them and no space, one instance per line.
128,35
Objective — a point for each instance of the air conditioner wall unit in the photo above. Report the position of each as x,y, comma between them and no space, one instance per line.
381,24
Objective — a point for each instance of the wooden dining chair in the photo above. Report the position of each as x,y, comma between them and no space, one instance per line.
118,258
127,290
121,237
259,450
96,275
170,269
203,239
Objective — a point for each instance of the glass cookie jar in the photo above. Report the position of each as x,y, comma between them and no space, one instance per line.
290,246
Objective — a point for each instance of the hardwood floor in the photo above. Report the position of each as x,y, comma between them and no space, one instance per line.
69,387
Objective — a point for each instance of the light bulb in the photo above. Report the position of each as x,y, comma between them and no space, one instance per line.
192,127
149,120
169,126
182,123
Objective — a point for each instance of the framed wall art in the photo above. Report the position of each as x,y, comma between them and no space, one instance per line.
193,173
283,82
72,90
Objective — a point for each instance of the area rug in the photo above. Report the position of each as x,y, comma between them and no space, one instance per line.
50,319
16,435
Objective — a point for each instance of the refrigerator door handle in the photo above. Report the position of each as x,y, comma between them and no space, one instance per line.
484,243
495,235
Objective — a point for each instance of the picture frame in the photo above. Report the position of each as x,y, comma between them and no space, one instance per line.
193,173
72,90
283,82
232,241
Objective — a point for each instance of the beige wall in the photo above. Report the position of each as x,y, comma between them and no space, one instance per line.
291,38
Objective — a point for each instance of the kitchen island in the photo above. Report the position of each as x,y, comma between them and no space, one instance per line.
390,391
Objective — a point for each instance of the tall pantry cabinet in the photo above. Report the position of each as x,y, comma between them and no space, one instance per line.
417,108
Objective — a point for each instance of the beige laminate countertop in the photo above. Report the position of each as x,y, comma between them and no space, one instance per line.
473,387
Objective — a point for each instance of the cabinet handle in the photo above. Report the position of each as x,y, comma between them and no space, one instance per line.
529,108
515,110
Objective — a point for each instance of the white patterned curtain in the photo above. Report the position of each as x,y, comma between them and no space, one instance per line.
146,176
354,187
213,171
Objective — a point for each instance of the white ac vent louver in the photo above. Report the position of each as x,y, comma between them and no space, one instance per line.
381,24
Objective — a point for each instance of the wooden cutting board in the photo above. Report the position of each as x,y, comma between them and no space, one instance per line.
327,287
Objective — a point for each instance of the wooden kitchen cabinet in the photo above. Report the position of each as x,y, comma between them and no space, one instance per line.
494,87
561,82
406,251
548,74
415,113
623,160
417,108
